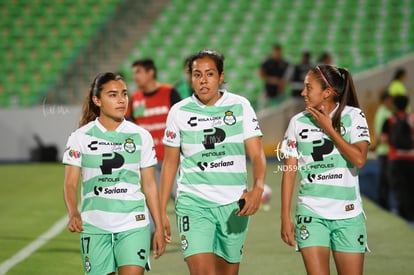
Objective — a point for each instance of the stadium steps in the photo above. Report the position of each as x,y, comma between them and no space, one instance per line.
105,52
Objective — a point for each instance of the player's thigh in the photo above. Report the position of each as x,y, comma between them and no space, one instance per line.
201,263
349,235
196,229
311,232
130,270
97,253
225,268
231,233
312,236
316,260
349,263
132,248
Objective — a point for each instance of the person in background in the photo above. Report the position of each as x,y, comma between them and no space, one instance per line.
397,85
296,103
327,144
401,156
208,136
383,113
149,108
325,58
150,105
274,72
184,86
116,161
299,73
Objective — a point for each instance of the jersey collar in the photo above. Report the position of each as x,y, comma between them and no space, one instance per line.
331,114
104,130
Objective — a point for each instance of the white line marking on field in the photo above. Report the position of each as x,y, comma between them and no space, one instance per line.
33,246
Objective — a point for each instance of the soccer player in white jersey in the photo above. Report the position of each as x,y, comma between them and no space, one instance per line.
208,135
115,158
327,144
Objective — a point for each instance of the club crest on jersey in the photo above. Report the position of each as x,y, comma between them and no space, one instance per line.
88,265
304,233
229,118
129,145
184,242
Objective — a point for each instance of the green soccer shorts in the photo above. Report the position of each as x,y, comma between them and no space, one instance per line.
345,235
215,230
104,253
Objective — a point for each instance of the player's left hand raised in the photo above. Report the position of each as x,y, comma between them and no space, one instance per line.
321,117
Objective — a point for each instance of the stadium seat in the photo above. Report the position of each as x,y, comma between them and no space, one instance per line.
44,36
358,35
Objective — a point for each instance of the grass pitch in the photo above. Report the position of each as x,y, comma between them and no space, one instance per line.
31,201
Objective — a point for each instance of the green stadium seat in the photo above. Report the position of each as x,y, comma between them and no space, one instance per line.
44,32
244,31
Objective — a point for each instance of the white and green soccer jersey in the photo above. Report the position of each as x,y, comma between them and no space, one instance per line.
112,200
211,141
329,183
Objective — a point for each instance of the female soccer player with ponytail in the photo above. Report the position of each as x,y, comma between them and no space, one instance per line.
116,158
327,144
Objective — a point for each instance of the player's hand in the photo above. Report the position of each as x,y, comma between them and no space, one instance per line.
167,228
321,117
252,202
158,243
75,223
287,232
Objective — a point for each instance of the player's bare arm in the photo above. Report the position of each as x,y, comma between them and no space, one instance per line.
252,198
150,190
169,170
72,174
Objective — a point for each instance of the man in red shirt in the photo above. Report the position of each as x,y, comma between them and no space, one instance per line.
401,156
150,104
149,107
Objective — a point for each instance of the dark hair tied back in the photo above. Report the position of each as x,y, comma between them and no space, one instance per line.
341,81
342,72
89,110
